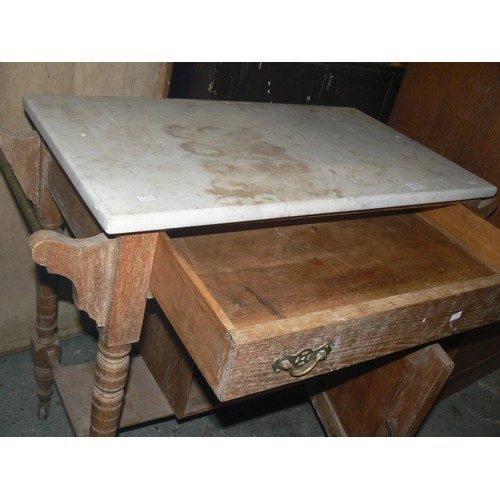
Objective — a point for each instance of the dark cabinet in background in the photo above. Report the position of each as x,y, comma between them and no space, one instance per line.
371,88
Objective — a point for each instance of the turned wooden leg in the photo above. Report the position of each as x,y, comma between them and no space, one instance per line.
45,344
111,280
111,372
45,340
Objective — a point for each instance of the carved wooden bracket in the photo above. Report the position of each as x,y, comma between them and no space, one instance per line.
88,263
110,277
22,151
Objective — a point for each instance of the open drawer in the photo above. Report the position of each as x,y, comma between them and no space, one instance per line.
264,307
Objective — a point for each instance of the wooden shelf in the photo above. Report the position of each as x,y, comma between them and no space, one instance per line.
144,401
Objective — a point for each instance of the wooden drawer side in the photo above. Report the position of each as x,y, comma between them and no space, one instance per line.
466,229
196,317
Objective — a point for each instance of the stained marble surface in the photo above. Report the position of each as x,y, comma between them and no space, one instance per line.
145,164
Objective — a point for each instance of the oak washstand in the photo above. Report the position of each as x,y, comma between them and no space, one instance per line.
268,244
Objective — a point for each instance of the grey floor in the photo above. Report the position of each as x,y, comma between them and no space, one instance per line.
472,411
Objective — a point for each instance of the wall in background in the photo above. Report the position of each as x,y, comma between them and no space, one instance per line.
17,271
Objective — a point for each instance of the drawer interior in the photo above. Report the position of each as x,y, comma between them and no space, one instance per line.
260,275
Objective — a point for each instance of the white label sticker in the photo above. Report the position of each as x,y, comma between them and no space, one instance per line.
146,197
415,186
455,316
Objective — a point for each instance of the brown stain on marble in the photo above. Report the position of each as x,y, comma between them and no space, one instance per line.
227,152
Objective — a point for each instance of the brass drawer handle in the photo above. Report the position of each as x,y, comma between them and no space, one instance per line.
303,362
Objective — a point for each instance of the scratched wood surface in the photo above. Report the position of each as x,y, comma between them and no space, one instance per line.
293,270
368,285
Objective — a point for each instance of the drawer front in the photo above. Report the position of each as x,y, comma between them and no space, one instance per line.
355,335
265,307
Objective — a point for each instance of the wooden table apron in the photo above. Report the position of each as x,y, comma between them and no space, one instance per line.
111,277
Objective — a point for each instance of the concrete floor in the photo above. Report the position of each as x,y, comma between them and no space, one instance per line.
472,411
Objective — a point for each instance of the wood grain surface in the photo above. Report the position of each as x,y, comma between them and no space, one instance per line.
454,109
386,398
369,286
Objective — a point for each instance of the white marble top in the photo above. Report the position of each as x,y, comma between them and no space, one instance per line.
145,164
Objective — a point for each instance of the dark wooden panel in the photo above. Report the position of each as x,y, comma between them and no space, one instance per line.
371,88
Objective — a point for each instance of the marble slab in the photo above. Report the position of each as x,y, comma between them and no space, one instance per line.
146,164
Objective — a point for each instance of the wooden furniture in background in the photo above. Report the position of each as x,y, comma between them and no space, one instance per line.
17,310
84,78
369,87
454,109
391,398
